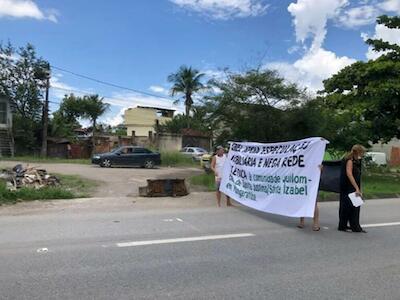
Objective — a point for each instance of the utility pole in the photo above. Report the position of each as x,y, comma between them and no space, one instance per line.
45,117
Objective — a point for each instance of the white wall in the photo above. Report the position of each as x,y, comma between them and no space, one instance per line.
386,148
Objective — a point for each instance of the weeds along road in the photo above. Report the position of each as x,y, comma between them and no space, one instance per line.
186,248
114,182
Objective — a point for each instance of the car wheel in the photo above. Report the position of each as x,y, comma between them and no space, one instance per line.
149,164
106,163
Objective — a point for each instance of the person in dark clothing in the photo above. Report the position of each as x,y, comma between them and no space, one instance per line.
350,181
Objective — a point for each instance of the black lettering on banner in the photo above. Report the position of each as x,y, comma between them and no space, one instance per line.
260,161
294,161
236,147
238,172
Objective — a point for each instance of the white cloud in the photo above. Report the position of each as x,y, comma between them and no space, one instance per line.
386,34
158,89
317,64
132,99
25,9
311,17
124,101
59,89
214,74
116,119
224,9
359,16
391,5
312,69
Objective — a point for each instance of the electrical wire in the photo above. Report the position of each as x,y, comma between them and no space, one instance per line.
84,93
110,84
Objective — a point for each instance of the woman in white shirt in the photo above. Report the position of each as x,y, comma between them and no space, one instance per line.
217,165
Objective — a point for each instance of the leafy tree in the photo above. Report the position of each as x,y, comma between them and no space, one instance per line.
120,131
392,50
20,81
65,119
93,107
254,106
199,120
186,81
369,92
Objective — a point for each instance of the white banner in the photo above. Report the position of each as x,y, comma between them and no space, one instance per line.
279,178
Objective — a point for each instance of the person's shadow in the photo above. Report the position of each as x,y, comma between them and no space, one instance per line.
288,222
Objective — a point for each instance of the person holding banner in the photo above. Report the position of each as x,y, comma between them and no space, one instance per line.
350,181
315,226
217,165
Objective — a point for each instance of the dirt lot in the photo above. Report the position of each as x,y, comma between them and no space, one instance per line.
114,182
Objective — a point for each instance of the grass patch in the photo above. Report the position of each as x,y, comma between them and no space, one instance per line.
72,186
206,181
79,186
374,186
176,159
381,185
39,159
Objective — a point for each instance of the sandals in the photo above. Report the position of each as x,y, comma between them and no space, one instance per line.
316,228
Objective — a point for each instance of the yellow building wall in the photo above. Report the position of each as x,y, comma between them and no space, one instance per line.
141,120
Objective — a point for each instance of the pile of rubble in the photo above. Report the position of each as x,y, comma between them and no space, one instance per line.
30,177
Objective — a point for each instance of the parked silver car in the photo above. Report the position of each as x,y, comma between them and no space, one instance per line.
195,152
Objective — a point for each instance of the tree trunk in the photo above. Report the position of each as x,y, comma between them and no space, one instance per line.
94,136
188,106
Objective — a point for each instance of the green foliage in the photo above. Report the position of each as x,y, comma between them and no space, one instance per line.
204,180
25,194
262,87
246,106
176,159
380,45
186,81
72,108
22,80
19,81
92,107
72,186
120,132
27,134
65,119
381,185
40,159
61,127
199,120
367,94
79,186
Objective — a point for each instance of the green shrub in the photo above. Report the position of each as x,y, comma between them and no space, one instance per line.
25,194
174,158
72,186
204,180
38,159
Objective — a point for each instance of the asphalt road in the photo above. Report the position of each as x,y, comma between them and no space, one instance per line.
228,253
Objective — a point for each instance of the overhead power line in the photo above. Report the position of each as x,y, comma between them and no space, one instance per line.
111,84
84,93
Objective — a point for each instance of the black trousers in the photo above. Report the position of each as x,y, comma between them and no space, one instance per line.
348,214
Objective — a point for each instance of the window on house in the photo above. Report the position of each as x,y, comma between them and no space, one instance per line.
3,113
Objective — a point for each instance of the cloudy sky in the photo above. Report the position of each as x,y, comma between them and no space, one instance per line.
137,44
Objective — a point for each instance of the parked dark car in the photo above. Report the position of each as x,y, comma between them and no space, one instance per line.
128,156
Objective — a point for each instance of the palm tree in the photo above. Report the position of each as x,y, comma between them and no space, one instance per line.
93,108
186,81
